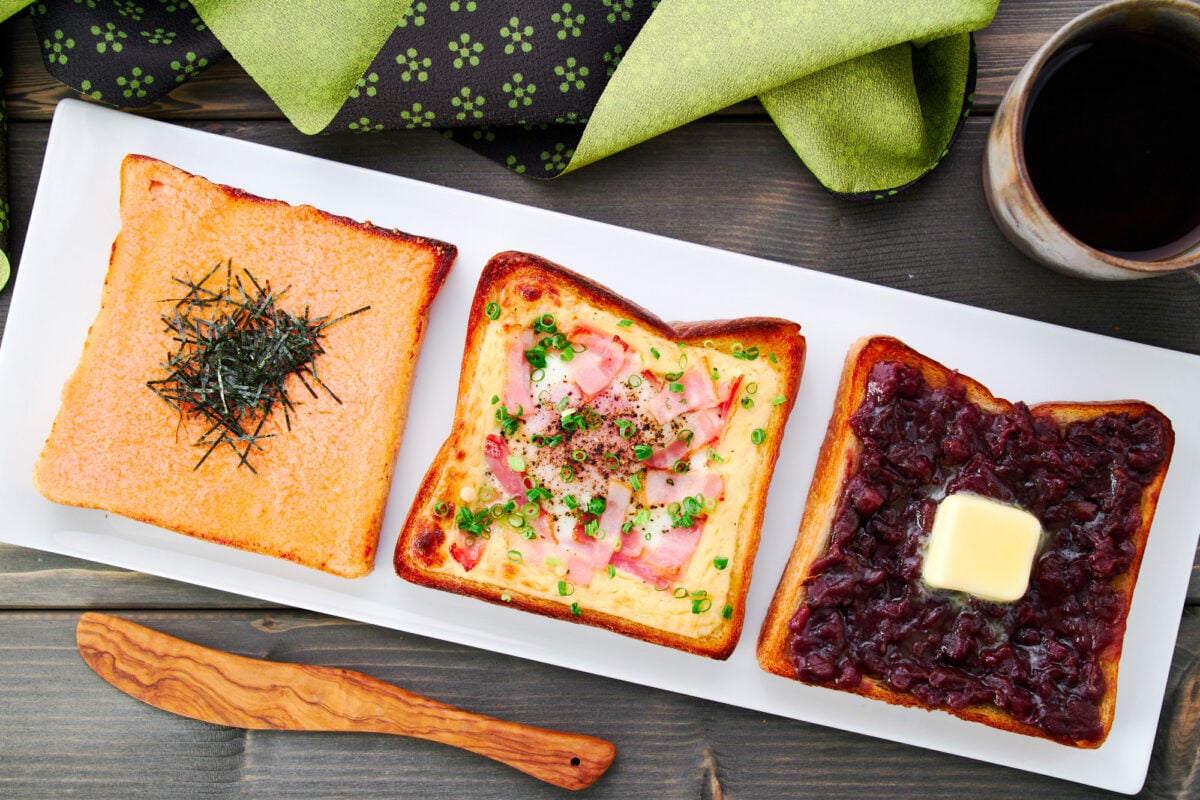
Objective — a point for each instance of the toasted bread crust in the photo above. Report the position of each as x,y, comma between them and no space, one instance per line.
318,495
838,459
534,284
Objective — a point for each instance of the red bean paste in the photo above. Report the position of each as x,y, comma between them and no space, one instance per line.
867,612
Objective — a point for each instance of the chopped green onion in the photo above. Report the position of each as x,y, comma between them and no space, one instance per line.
442,509
612,571
674,376
544,324
709,344
529,533
566,588
474,524
758,436
530,510
680,466
515,521
570,502
508,422
641,518
563,402
634,381
778,400
538,375
506,597
635,481
592,528
716,376
676,386
701,604
551,561
713,455
536,494
611,459
626,526
774,360
576,610
495,399
727,611
516,463
515,556
579,455
536,357
680,592
492,310
654,352
751,388
596,505
567,473
625,323
642,451
625,427
747,402
721,563
685,435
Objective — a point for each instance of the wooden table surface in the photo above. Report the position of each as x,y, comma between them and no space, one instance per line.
728,181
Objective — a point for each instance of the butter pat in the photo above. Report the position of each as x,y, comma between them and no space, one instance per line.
982,547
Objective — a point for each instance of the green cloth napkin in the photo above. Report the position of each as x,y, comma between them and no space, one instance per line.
306,54
868,93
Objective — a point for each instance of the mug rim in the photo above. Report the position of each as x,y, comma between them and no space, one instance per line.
1187,259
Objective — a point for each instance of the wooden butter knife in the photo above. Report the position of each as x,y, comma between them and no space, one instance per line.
241,692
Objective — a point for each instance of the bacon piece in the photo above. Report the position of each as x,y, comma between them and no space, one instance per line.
666,458
668,487
593,369
698,393
495,454
665,561
591,553
467,550
517,389
728,392
616,506
632,543
706,425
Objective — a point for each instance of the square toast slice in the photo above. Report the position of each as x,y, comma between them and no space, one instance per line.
852,612
604,466
311,487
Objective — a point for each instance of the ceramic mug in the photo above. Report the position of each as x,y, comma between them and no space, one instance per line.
1015,203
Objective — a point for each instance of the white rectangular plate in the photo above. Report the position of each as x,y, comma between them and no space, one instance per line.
57,294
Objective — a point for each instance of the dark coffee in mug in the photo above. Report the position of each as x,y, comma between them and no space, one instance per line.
1112,142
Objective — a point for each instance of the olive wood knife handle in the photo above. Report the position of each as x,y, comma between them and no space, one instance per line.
242,692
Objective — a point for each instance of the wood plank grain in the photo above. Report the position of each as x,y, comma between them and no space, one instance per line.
669,746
